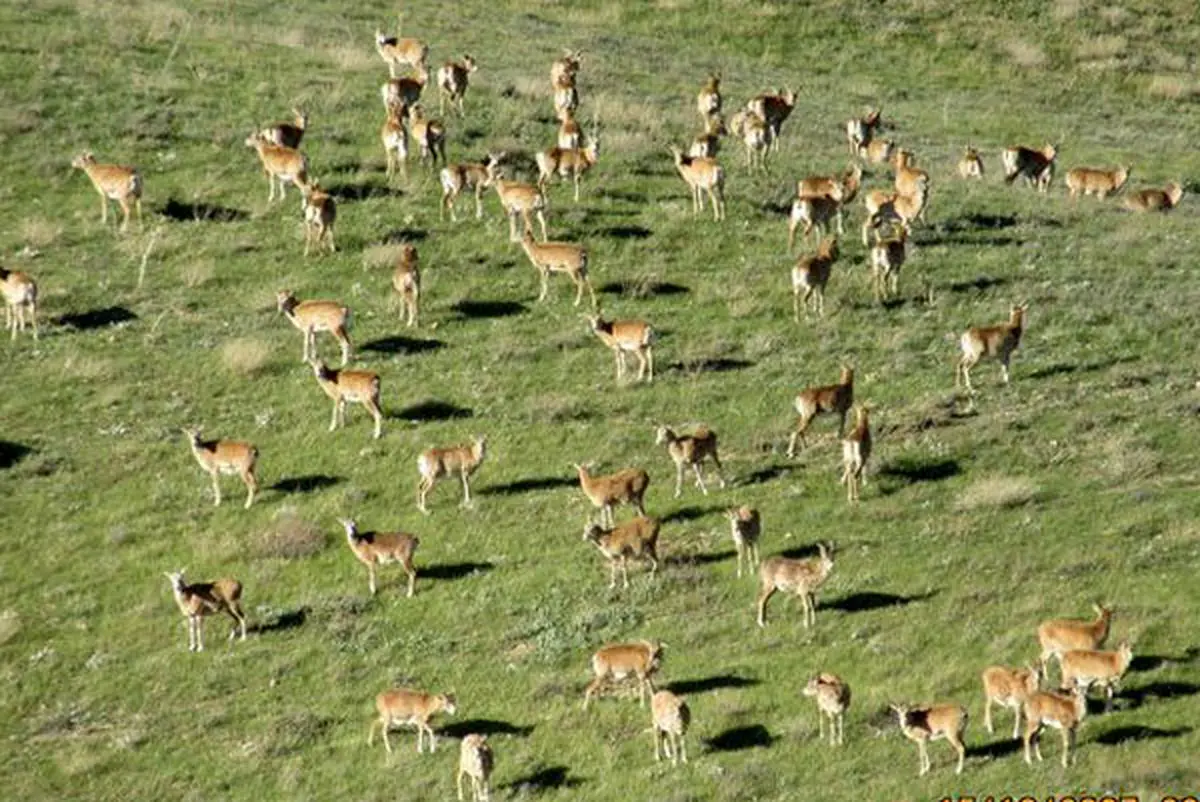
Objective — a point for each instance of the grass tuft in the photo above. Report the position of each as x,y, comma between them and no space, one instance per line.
290,537
997,492
245,356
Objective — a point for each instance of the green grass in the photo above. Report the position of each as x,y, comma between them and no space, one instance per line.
1075,483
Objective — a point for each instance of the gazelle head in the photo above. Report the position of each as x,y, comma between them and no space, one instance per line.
176,579
83,160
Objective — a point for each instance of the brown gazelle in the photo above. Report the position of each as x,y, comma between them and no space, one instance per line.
435,463
877,151
559,257
311,317
774,109
475,761
570,135
320,213
200,599
860,131
476,176
627,336
409,708
755,135
1095,181
573,163
998,342
1009,687
566,96
280,164
381,548
933,723
619,661
218,457
843,188
406,282
288,134
623,487
832,695
1155,200
637,539
113,181
670,717
518,198
745,526
1061,635
1060,711
887,257
1088,667
349,386
814,401
399,52
1035,166
708,101
909,179
430,135
702,175
884,208
809,277
564,69
690,451
394,137
800,577
20,300
971,164
404,92
816,213
452,81
856,450
707,143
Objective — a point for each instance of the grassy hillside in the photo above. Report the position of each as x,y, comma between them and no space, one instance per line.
1073,484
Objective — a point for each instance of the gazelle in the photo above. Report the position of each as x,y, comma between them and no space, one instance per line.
637,538
559,257
809,277
618,661
745,525
113,181
311,317
832,695
815,213
288,134
430,135
435,463
971,164
856,450
476,176
887,257
860,131
381,548
452,80
998,342
1009,688
843,189
1093,181
814,401
570,135
605,492
398,52
774,109
1060,711
518,198
910,180
475,761
20,299
405,707
708,142
702,175
349,386
571,164
894,207
404,92
394,136
406,281
799,577
201,599
1035,166
565,68
690,451
755,134
279,164
1061,635
932,723
1088,667
320,213
708,101
627,336
218,457
1155,200
671,717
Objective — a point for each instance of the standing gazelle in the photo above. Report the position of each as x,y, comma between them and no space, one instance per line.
559,257
345,386
200,599
745,526
381,548
702,175
832,696
475,761
452,81
406,281
627,336
311,317
799,577
517,198
120,183
932,723
279,164
690,451
670,717
225,456
856,450
998,341
434,463
20,298
476,176
320,213
394,136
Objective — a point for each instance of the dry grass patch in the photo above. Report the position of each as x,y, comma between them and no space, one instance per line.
1066,9
245,356
997,492
39,232
350,58
10,625
1122,459
379,256
1173,87
1025,54
1099,48
289,537
198,273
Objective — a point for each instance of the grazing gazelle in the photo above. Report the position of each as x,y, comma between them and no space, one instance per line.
434,463
20,298
345,386
932,723
200,599
702,175
120,183
311,317
225,456
632,336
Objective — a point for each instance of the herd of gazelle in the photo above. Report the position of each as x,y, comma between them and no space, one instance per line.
820,200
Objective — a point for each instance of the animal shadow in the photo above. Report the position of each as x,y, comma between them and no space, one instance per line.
714,683
305,484
399,236
979,284
544,778
635,288
484,726
870,600
1138,732
530,485
97,318
432,411
289,619
910,471
689,513
1136,697
701,559
472,310
452,571
626,232
995,749
767,474
358,192
736,739
1150,662
12,453
399,344
202,212
714,365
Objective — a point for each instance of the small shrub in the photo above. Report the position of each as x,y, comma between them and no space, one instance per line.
245,357
997,492
290,537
